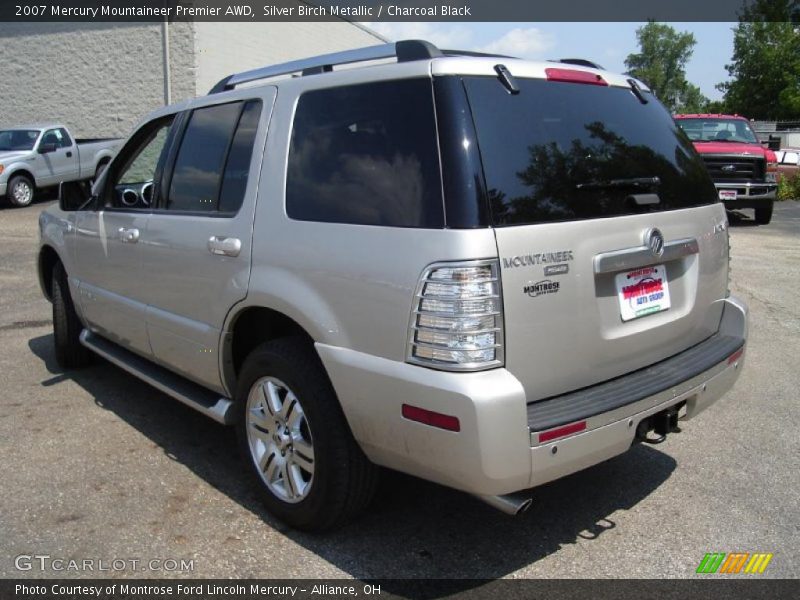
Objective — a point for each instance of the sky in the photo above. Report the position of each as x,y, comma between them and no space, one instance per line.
607,44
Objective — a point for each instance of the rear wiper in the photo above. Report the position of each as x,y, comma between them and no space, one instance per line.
632,182
506,78
637,91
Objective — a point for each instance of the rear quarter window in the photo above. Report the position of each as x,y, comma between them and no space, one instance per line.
558,151
367,155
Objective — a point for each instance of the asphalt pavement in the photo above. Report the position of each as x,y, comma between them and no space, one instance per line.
95,465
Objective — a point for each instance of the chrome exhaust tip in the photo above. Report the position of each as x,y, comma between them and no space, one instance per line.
511,504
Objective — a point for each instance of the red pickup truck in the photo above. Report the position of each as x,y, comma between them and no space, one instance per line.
743,170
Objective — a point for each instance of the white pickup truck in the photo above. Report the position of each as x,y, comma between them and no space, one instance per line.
40,156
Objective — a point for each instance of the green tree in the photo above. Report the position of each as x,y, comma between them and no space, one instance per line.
716,106
661,64
693,100
765,67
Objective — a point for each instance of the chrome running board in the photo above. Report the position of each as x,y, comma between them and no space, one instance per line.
191,394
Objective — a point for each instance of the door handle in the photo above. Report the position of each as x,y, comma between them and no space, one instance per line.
69,153
129,236
223,246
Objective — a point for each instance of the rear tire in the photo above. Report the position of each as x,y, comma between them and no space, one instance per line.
20,191
764,214
67,327
309,470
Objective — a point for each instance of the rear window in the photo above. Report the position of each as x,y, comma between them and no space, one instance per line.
565,151
366,155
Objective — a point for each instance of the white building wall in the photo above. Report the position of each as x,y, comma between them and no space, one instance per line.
792,140
97,78
225,48
100,79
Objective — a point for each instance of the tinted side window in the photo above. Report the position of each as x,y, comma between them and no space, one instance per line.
237,168
58,137
367,155
65,139
565,151
201,158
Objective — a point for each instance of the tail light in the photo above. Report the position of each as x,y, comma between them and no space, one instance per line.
728,282
722,228
457,318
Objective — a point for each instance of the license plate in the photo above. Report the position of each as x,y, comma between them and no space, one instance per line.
642,292
727,194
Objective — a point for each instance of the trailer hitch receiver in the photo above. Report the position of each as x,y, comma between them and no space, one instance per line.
661,424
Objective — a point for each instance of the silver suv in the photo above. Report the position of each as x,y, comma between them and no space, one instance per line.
482,271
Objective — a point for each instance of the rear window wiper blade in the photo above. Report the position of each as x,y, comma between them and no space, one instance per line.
507,79
637,91
631,182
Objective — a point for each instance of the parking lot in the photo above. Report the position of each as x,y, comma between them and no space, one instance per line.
97,465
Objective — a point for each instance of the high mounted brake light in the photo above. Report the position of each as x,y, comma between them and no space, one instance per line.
574,76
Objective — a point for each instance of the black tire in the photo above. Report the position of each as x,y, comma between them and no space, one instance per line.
764,214
344,480
70,353
15,194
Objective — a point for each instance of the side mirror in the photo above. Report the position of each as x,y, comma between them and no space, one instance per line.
73,195
47,148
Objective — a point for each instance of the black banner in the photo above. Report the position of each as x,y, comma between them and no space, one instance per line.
377,10
745,587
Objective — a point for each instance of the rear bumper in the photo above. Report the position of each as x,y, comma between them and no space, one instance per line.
495,451
749,195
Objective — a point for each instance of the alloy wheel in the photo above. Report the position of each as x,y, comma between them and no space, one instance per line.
279,439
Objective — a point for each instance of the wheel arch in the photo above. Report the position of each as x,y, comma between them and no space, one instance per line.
103,160
46,264
249,327
22,171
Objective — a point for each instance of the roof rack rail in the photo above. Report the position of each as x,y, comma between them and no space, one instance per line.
581,62
405,51
475,54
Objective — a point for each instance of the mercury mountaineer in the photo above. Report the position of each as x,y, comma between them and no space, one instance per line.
482,271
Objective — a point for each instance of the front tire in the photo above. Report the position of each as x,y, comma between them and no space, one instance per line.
20,191
309,470
67,327
764,214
